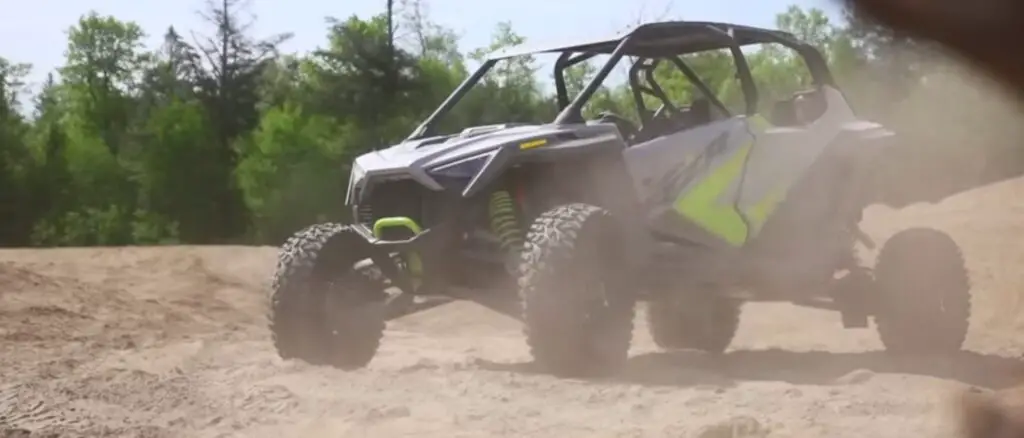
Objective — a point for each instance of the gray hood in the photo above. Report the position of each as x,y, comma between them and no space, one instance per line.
433,151
411,159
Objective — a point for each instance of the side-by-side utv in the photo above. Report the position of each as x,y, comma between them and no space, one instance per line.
696,208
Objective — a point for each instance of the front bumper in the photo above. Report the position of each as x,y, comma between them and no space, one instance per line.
421,241
419,249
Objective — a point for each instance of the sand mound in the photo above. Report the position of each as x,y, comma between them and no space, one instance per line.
170,341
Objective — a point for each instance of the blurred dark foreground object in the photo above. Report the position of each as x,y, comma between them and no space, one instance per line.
984,32
991,415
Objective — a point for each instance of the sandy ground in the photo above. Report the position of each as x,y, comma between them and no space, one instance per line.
155,342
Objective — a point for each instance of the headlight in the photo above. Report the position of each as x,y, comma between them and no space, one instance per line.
463,169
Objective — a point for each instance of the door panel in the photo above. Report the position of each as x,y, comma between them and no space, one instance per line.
655,162
781,157
707,176
688,173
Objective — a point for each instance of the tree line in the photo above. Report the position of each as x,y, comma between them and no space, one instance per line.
223,138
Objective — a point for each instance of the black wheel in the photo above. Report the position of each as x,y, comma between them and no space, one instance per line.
923,293
577,303
324,310
699,321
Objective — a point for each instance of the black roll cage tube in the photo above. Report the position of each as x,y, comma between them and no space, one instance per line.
571,112
648,66
564,61
697,82
638,88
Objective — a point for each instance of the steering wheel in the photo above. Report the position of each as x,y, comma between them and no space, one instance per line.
625,126
667,110
658,113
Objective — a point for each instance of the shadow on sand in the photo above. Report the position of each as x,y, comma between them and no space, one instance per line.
686,368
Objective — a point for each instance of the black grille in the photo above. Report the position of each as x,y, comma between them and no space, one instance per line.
364,214
394,198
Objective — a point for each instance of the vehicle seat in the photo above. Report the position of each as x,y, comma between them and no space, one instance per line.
697,114
655,127
784,113
624,126
700,112
809,106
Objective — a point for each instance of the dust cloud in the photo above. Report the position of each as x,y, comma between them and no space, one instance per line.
171,341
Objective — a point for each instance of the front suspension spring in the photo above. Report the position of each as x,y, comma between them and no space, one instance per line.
504,224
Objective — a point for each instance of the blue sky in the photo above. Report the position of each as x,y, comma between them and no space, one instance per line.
34,31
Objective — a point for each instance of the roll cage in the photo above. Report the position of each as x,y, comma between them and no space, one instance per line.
651,44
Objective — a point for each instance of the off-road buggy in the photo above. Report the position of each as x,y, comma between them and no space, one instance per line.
566,225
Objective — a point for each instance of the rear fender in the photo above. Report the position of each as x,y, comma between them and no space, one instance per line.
861,148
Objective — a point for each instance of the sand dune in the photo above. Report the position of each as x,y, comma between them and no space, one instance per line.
171,341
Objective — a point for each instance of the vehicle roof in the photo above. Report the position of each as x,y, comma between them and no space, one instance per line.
660,39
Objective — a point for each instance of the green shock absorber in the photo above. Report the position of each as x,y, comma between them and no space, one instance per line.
504,223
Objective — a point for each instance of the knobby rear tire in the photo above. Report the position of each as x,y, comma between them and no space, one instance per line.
702,321
923,291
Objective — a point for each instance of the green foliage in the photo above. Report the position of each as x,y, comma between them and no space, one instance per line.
227,140
291,171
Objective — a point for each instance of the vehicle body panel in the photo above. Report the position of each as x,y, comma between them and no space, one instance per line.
728,183
731,174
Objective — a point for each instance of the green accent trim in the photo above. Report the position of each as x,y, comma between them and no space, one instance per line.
758,213
414,260
395,221
702,207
